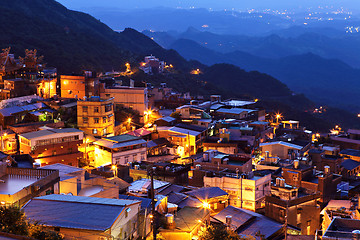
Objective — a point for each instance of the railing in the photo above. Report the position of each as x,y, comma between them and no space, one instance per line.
40,173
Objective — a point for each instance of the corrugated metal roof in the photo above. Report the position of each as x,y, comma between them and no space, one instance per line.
143,184
76,215
350,164
207,193
48,132
184,131
234,110
239,217
112,145
7,112
287,144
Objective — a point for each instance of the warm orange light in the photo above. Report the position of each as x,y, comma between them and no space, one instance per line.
129,120
113,167
5,134
65,82
205,205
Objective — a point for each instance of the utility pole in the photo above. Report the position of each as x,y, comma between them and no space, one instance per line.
153,203
286,218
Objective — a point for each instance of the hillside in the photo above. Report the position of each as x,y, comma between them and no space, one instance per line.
73,41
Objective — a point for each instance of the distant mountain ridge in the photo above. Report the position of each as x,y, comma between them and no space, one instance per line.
327,81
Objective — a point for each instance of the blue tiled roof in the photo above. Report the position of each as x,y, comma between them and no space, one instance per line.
75,212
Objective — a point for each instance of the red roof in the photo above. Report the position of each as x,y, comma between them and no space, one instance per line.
139,132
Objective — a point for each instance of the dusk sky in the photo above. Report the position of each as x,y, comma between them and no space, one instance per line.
215,4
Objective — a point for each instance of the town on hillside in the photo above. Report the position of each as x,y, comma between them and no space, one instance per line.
101,156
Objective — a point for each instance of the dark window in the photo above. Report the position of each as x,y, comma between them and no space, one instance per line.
96,109
85,120
85,109
96,120
108,107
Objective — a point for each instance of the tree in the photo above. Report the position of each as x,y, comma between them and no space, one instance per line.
13,220
38,231
218,232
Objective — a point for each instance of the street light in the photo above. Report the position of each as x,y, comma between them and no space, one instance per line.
129,120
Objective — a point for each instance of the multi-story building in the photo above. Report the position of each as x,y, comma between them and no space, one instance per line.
53,145
79,86
119,150
245,190
130,97
304,176
95,116
300,209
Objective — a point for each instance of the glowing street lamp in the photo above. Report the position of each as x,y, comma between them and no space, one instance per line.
205,205
278,116
129,120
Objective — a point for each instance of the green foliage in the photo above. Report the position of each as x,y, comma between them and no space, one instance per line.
176,115
38,231
12,220
218,232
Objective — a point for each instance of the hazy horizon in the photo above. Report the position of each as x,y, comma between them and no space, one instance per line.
352,5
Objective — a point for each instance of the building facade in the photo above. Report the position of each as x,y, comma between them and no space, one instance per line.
53,146
95,116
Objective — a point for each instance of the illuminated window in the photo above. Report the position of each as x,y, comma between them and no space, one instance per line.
95,131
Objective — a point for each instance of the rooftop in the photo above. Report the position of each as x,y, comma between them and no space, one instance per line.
350,164
207,193
49,132
188,218
76,212
287,144
14,183
351,152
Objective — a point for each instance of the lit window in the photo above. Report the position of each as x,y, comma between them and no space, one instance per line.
95,131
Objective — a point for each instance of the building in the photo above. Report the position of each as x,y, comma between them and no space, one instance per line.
283,150
86,217
51,146
186,224
213,198
188,139
168,172
17,114
301,210
79,86
152,65
304,176
46,88
320,159
130,97
119,150
19,185
14,88
341,228
246,191
95,116
72,86
247,223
